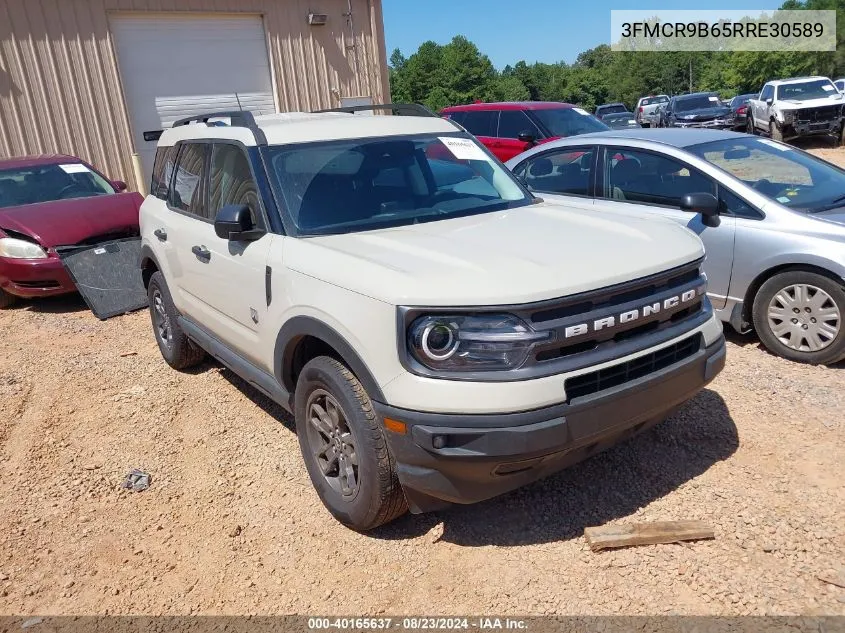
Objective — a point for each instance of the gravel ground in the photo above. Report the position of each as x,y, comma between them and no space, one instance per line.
231,524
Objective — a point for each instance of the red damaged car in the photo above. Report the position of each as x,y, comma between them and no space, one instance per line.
52,201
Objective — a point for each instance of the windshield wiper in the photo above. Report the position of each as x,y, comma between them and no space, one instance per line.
838,202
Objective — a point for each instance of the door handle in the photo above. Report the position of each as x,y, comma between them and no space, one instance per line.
202,252
161,234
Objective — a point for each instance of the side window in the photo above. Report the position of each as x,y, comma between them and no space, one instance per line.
638,176
768,92
458,117
231,181
564,171
186,194
481,122
732,204
512,123
162,172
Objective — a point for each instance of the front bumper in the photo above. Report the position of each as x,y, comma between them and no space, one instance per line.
812,128
483,456
29,278
719,124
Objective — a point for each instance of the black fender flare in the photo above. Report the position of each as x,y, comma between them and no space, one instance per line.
147,255
297,328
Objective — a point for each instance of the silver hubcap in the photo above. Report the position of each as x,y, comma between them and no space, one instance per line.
161,320
332,443
804,318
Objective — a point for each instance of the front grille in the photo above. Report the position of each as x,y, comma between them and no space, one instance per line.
823,113
596,381
39,285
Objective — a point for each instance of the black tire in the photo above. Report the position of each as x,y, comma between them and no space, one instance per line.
6,299
840,138
176,348
795,341
749,126
378,497
775,132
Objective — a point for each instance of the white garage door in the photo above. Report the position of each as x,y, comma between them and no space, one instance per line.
176,66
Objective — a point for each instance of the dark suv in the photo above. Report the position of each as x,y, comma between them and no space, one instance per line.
508,129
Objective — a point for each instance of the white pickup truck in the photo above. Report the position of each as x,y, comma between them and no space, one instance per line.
790,108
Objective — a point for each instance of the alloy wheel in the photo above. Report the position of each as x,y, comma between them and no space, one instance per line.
332,443
804,317
162,320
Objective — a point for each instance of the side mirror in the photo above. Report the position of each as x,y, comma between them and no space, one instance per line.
769,101
234,223
704,203
527,137
119,185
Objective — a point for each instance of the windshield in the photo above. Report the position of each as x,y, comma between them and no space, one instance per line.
653,100
569,121
365,184
698,102
786,175
816,89
611,109
46,183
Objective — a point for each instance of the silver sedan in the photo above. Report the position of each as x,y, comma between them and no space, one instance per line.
772,219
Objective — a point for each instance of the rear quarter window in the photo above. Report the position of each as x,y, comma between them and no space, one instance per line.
162,172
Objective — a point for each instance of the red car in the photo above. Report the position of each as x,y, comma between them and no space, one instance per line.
508,129
50,201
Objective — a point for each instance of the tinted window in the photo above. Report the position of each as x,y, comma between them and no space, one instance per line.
816,89
47,183
768,93
636,176
364,184
231,181
457,117
512,123
481,122
653,100
564,171
610,109
569,121
186,194
162,171
698,102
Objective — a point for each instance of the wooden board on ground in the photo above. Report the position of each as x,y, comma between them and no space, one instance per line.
610,536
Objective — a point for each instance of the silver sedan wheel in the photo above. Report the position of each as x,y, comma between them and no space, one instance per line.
804,318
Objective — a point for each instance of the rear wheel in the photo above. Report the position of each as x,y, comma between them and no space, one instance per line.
344,447
840,138
799,315
6,299
179,351
749,126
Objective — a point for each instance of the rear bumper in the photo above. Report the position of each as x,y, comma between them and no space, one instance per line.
30,278
483,456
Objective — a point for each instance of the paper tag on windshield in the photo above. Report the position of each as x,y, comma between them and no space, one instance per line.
827,88
463,148
74,168
777,146
714,99
783,199
580,111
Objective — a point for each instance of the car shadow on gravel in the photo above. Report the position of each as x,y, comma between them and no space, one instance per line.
61,304
607,487
267,405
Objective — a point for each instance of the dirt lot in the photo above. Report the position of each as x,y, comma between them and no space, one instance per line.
231,524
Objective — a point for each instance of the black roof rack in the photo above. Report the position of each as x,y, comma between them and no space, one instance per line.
398,109
238,118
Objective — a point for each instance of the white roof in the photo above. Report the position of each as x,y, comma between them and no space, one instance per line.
307,127
795,80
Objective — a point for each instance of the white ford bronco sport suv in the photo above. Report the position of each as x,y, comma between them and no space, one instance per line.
439,334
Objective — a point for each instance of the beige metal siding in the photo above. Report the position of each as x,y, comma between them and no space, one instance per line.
60,88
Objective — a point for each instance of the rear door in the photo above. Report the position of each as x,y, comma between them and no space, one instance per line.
650,184
482,124
513,123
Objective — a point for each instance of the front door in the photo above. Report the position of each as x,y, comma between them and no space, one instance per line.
647,183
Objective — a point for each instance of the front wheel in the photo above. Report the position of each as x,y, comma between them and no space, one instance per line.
344,447
775,133
798,315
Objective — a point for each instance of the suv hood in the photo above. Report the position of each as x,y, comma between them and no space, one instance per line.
794,104
532,253
68,222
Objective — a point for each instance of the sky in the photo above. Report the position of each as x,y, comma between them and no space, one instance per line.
534,30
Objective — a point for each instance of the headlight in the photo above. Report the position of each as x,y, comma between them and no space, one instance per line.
20,249
485,342
788,117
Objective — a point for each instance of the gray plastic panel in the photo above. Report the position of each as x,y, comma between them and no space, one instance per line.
107,275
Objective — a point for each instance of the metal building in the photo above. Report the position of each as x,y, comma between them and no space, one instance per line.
89,77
